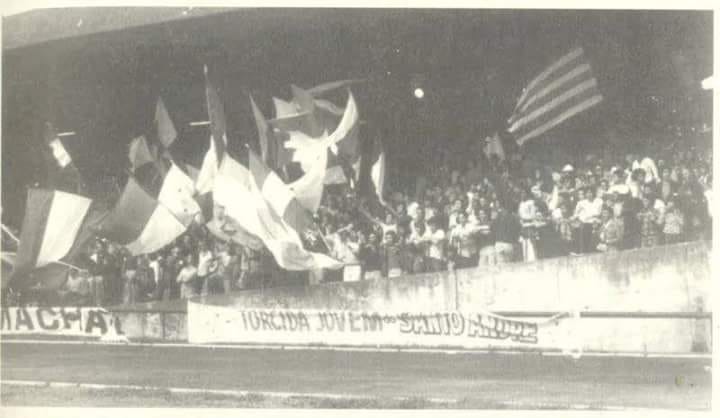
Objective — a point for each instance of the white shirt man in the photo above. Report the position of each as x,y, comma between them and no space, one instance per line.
588,211
205,259
649,167
527,211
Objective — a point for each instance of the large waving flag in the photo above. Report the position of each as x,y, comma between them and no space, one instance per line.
306,149
261,203
308,117
563,90
56,228
140,222
313,155
272,146
216,150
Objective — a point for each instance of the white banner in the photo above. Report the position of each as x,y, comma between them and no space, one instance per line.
219,324
65,321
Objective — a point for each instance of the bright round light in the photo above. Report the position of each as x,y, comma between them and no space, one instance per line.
419,93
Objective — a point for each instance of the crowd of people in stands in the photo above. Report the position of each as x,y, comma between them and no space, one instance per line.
491,212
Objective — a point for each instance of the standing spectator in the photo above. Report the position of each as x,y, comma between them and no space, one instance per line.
505,229
171,268
220,282
416,249
564,226
131,287
435,249
485,239
233,269
649,224
77,288
527,212
205,266
187,278
674,223
370,256
393,256
111,270
156,265
464,238
587,212
145,279
667,186
611,232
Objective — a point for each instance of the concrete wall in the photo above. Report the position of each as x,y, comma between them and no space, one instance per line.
664,281
153,326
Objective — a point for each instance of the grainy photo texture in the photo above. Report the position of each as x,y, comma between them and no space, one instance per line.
357,208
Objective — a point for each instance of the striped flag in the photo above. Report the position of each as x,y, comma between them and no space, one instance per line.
56,230
140,222
563,90
55,226
261,203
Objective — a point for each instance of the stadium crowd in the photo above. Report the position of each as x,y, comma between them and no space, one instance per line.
491,212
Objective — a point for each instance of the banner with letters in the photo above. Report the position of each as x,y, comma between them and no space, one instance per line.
60,321
484,330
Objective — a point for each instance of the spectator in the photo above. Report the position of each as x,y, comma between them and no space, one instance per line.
435,250
610,235
649,224
505,229
463,238
131,292
76,290
187,278
587,212
206,266
674,223
370,256
564,226
393,255
486,242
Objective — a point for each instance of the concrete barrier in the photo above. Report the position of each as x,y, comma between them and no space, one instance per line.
672,278
153,326
644,300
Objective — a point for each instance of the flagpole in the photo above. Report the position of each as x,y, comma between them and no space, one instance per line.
68,265
9,232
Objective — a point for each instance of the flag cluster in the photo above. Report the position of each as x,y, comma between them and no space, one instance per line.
240,197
